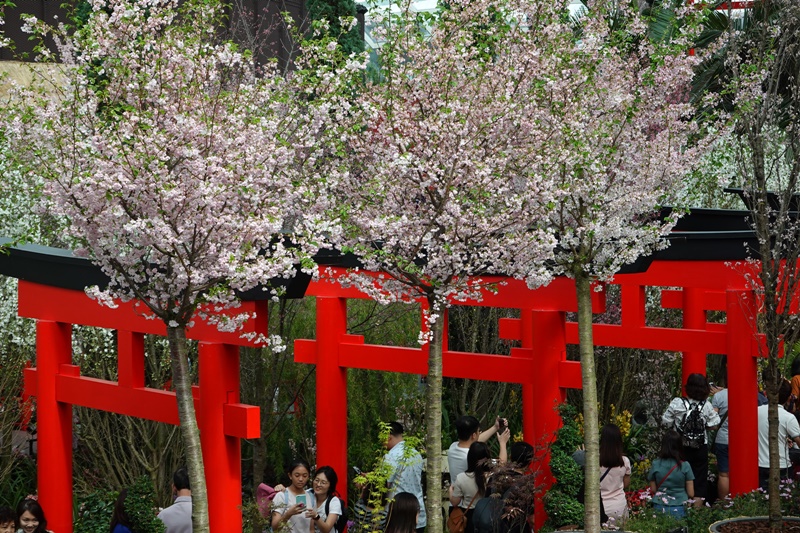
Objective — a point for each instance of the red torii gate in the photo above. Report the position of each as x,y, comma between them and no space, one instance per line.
540,363
58,385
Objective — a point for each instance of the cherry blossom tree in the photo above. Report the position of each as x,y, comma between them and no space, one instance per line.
185,174
759,100
619,148
443,188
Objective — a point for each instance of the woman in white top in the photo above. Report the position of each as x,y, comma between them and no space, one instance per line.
676,415
470,486
290,504
324,486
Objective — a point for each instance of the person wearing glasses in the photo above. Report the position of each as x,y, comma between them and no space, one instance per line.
329,507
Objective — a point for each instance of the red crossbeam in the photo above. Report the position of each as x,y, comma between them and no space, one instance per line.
74,307
240,420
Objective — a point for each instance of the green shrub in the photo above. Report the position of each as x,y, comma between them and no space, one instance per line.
140,505
562,509
652,521
94,512
561,501
96,509
568,473
252,519
20,481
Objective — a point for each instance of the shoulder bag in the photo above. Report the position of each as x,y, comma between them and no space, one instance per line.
457,521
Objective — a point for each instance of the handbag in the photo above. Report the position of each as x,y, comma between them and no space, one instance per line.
457,521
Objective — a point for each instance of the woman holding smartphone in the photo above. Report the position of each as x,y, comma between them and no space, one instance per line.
329,507
289,505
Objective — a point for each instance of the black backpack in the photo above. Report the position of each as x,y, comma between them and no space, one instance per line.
341,522
693,427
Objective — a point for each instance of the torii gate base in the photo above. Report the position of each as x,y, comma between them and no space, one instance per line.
540,363
58,385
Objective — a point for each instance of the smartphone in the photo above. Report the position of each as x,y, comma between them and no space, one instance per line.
502,426
300,499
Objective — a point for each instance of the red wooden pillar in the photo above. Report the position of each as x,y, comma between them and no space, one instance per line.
542,395
219,384
742,391
331,388
529,407
54,425
130,359
694,317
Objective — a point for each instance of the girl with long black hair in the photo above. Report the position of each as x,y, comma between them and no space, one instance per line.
615,474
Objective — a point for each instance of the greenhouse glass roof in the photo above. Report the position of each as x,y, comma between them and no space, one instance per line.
575,6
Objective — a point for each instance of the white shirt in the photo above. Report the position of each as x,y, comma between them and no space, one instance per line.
456,460
335,507
298,523
466,488
720,401
678,409
788,428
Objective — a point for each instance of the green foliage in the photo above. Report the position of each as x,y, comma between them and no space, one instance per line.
94,512
333,11
376,480
561,501
96,509
140,505
569,437
252,519
568,473
563,509
654,522
19,482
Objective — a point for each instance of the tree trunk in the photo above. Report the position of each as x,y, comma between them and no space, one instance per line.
182,380
433,433
591,434
773,490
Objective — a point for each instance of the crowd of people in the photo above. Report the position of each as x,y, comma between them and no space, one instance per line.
677,478
696,425
474,476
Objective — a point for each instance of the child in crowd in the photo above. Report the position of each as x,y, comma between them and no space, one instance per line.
7,520
290,505
671,478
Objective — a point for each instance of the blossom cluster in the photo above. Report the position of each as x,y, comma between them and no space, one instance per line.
184,171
